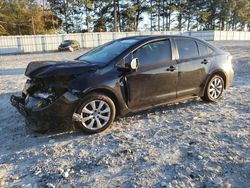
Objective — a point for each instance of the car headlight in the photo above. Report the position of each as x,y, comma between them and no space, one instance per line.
47,98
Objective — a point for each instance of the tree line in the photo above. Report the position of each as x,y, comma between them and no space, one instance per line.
26,17
50,16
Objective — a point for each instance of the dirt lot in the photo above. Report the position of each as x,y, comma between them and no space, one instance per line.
190,144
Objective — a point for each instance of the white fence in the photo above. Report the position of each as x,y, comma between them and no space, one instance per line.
42,43
231,35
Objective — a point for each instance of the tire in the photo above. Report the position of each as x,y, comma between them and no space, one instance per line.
96,112
214,89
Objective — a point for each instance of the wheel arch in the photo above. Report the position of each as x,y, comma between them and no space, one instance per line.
216,72
222,74
110,94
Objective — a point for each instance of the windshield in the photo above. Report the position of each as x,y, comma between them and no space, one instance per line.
107,52
66,42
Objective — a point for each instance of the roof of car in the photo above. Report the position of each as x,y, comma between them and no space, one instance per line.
145,38
148,37
69,40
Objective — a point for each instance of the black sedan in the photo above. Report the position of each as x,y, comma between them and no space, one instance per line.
122,76
69,45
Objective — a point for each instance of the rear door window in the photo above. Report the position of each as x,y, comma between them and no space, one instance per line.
204,50
154,53
187,48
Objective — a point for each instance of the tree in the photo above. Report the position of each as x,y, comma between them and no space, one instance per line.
102,20
67,10
89,6
26,18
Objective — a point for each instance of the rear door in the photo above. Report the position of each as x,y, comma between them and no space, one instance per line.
193,66
155,80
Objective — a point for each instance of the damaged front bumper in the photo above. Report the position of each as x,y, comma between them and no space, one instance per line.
40,118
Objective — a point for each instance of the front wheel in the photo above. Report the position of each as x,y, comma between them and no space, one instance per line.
96,113
214,89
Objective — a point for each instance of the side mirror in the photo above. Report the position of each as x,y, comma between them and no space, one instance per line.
133,65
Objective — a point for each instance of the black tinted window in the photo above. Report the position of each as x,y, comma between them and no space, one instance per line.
154,53
67,42
204,49
187,48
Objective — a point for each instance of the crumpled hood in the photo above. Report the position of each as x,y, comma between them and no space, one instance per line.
40,69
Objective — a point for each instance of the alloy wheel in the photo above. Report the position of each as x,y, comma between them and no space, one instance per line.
215,88
95,114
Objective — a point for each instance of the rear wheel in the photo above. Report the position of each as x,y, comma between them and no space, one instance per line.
96,113
214,89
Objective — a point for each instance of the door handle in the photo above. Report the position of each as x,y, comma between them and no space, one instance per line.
204,62
171,68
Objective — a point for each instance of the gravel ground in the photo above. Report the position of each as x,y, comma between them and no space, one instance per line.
189,144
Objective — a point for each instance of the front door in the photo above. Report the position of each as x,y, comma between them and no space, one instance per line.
155,80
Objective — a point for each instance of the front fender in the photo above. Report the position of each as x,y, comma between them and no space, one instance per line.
112,85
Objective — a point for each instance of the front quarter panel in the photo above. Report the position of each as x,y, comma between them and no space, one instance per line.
111,81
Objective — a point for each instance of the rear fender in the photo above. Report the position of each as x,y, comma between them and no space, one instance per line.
215,72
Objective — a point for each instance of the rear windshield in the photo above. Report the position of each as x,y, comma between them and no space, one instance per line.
107,52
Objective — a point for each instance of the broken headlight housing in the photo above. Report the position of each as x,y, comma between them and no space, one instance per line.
47,97
43,95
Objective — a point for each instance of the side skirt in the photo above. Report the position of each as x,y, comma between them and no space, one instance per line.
161,104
